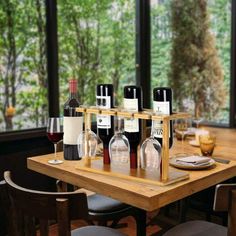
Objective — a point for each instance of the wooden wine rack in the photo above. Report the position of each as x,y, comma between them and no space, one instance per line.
168,174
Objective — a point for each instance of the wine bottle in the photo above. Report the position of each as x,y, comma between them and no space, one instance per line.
105,124
133,102
162,104
73,123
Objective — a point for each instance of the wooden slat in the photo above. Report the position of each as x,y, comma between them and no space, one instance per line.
124,172
146,114
165,150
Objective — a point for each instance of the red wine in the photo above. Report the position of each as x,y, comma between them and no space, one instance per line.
55,137
162,104
133,101
105,124
73,123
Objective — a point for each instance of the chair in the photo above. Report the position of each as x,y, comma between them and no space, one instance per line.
103,209
24,205
225,200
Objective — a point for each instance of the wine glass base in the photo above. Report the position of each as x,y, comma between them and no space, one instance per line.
55,162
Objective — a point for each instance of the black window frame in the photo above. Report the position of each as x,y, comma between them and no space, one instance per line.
142,59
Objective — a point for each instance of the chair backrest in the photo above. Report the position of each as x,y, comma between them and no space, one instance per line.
225,200
45,206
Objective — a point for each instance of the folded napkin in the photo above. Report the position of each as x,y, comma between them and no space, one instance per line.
193,160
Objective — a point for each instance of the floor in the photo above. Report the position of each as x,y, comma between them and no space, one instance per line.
159,220
129,229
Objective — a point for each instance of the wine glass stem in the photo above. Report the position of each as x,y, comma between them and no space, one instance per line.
55,151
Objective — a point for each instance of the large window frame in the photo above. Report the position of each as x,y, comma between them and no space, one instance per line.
143,63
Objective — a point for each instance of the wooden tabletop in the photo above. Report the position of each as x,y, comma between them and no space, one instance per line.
147,196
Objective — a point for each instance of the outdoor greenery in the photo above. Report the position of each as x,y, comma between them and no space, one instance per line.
166,24
23,79
195,69
96,45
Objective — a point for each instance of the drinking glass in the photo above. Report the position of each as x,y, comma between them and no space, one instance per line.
182,128
207,144
87,141
55,135
150,152
119,148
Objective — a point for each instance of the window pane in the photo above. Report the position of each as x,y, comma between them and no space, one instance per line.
173,24
23,96
96,45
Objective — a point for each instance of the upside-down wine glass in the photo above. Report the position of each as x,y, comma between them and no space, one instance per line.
87,141
150,152
55,135
119,147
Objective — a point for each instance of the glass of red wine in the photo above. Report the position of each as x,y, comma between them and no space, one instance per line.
55,135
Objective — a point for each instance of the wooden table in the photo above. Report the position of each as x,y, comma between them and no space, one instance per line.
148,197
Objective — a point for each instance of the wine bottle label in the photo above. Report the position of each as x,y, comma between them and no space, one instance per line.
131,125
73,126
103,121
161,108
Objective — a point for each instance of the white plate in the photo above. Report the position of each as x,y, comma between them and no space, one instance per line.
173,162
194,143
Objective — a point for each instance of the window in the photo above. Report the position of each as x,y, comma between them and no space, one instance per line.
96,45
171,68
23,76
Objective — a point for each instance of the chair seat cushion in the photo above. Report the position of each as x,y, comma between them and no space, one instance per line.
101,204
96,231
197,228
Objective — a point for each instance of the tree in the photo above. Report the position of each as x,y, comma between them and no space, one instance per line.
195,74
23,63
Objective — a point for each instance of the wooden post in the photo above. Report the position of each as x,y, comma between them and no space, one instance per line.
165,150
87,127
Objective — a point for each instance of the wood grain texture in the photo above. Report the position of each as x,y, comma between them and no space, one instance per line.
146,114
123,171
148,196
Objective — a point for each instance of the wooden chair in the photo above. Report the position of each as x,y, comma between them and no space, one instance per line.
102,209
24,206
225,200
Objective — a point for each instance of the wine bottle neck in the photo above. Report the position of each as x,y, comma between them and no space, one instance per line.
73,95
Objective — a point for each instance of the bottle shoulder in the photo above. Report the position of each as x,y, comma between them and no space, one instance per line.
72,102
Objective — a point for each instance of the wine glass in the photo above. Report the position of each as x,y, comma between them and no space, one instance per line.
197,121
119,148
55,135
87,141
182,128
87,144
150,152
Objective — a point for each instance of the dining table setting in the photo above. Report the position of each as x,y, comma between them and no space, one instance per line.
201,172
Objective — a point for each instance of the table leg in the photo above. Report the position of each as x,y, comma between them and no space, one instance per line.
140,217
184,203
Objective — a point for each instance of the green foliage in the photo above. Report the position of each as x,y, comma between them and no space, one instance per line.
161,43
97,45
23,63
196,72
